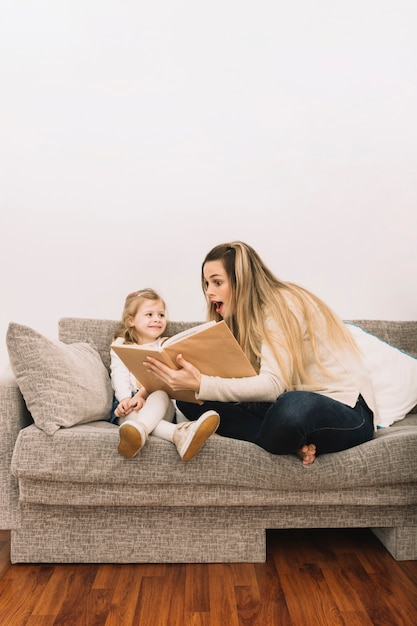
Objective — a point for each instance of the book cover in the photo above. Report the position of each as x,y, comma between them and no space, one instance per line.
211,347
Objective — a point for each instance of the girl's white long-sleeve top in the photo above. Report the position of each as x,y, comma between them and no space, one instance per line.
123,381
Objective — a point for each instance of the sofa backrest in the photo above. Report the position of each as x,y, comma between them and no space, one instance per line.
100,332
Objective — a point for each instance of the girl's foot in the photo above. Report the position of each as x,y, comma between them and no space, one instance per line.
307,454
189,437
133,437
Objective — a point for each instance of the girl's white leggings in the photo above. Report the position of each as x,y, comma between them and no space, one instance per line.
156,415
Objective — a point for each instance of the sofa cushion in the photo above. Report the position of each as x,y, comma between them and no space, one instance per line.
81,465
62,384
393,374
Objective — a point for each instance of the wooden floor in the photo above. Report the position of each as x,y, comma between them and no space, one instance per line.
310,578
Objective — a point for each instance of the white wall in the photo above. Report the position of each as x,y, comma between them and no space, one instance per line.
137,135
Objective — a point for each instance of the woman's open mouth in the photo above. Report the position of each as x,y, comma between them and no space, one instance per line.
218,306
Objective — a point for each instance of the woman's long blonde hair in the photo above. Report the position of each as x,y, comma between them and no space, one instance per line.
132,304
256,295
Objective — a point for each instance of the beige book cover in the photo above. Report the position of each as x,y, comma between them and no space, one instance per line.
211,347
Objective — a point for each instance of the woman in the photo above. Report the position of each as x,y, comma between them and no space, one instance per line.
311,395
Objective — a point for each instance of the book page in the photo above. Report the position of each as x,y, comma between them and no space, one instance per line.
187,332
214,351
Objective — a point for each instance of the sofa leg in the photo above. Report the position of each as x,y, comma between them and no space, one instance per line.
400,542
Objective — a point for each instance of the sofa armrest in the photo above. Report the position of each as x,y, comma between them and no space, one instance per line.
13,417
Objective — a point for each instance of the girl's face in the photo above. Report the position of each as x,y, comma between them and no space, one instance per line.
218,289
150,320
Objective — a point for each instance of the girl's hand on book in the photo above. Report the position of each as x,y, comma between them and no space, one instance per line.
187,377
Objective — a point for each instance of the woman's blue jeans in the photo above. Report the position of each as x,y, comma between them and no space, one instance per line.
296,418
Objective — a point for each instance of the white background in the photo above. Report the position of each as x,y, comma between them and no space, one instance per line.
136,135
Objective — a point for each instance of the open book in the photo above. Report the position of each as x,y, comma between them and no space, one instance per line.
211,347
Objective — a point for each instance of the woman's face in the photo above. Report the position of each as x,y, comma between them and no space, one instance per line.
218,288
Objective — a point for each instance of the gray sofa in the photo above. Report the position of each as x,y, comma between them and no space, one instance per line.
71,497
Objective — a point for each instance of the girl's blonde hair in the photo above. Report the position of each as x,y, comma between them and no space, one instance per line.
132,305
257,294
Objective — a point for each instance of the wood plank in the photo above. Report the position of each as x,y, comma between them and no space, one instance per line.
196,592
343,579
223,608
161,599
4,550
309,598
274,608
126,592
20,589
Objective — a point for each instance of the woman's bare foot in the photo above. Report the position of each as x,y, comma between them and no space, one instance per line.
307,454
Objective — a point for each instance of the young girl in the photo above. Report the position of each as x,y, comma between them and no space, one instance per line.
312,393
137,413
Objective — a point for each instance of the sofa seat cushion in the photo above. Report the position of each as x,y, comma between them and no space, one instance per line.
81,465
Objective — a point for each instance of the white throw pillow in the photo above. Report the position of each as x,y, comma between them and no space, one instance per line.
62,384
393,374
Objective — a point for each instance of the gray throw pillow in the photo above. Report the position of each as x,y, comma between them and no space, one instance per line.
62,384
